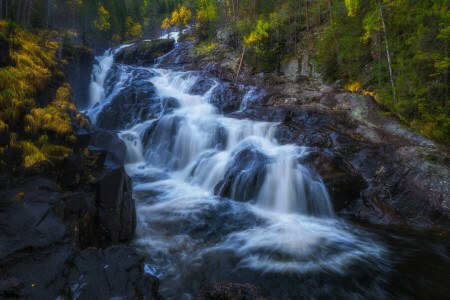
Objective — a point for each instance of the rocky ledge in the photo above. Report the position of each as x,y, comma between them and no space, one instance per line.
145,52
62,226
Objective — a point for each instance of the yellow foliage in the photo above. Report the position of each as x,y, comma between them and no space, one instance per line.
165,23
32,154
102,21
354,87
368,93
19,196
133,29
54,117
179,17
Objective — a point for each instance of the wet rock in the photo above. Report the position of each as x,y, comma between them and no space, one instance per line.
144,53
224,290
343,183
137,101
117,271
227,98
117,212
10,288
244,176
109,140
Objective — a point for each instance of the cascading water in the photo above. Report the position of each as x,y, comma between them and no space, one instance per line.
218,198
99,72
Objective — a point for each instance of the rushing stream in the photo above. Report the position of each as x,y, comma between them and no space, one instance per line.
273,226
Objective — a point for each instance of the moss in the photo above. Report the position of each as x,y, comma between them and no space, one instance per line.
32,154
56,151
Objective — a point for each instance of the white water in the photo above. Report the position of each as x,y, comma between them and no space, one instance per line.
178,161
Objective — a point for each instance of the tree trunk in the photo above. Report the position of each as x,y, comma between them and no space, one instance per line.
59,31
30,7
18,11
1,9
48,13
329,8
24,13
319,17
234,10
6,10
307,15
300,12
73,20
240,64
388,54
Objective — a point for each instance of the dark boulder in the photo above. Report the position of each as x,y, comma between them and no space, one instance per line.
224,290
109,141
137,101
117,212
144,53
343,183
244,176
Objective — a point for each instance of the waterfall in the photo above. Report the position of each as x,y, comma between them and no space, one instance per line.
218,195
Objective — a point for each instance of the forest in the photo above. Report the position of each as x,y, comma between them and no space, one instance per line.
398,49
224,149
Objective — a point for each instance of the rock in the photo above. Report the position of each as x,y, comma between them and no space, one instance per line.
12,157
117,212
244,176
116,272
42,230
144,53
78,71
343,183
43,167
110,141
290,68
224,290
137,101
10,287
308,67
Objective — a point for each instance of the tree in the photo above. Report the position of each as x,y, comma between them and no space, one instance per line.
133,29
102,21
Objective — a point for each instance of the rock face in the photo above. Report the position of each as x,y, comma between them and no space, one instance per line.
50,225
144,53
78,72
290,68
224,290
